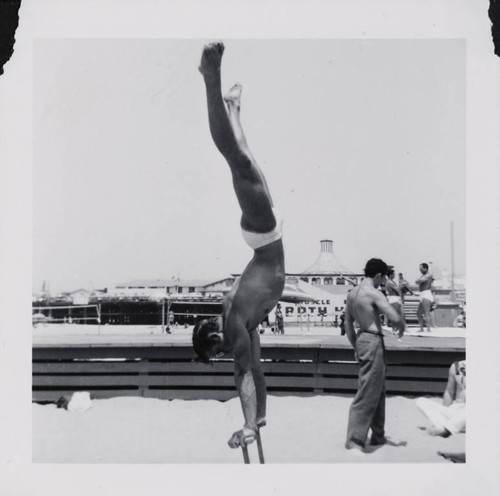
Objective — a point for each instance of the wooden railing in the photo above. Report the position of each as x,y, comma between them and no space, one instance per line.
168,371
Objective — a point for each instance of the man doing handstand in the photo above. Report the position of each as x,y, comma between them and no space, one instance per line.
260,286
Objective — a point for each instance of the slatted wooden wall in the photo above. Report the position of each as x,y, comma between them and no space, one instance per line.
168,372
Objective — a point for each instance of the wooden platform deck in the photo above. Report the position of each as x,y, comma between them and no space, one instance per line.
162,366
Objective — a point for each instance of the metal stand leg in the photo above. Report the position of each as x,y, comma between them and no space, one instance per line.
246,458
259,446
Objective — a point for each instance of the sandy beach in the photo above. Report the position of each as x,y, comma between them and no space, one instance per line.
300,430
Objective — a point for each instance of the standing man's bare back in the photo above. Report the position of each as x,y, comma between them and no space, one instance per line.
261,284
363,306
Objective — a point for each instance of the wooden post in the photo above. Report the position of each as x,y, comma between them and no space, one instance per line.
452,265
163,315
99,317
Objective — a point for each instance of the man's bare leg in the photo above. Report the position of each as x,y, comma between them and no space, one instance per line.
233,102
426,307
251,191
420,317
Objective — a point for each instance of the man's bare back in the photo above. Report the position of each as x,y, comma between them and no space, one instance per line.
365,304
362,305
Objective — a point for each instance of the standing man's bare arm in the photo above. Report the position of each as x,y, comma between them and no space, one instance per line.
387,309
349,328
394,286
424,278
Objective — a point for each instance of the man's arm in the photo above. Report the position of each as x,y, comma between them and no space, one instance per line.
424,278
393,286
387,309
258,379
242,352
451,388
350,332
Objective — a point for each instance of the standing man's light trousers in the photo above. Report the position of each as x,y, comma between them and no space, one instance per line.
368,407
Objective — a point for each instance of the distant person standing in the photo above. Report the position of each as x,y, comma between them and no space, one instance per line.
171,321
365,304
404,287
394,295
426,297
279,320
342,323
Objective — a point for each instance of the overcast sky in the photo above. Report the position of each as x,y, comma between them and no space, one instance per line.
362,142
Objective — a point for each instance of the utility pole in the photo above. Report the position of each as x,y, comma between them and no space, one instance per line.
452,264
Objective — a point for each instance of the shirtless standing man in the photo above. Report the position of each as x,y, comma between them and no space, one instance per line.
394,295
260,286
365,304
426,297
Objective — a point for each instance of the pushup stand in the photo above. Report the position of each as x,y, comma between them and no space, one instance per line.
244,449
246,458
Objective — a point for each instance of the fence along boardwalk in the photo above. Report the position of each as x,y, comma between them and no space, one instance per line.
109,368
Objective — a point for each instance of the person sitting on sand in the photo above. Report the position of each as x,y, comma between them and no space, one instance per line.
260,286
365,304
449,417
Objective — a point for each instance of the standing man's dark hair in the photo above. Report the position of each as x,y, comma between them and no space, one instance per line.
376,266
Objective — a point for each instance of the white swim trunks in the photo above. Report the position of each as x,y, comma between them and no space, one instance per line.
258,240
394,299
426,295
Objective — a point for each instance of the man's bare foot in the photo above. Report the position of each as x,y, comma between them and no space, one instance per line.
233,96
390,441
438,431
354,447
453,457
211,58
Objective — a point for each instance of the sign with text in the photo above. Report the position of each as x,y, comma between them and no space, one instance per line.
326,309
